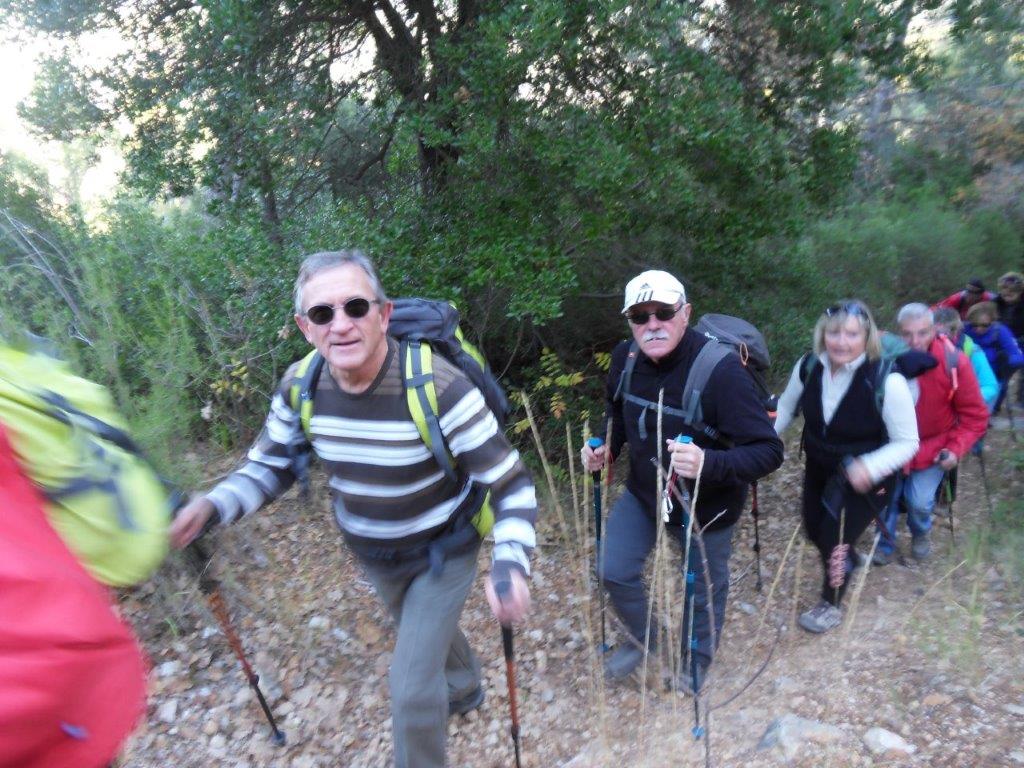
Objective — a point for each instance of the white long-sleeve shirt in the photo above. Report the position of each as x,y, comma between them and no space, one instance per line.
897,413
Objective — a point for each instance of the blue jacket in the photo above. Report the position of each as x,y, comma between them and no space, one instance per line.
987,381
1000,349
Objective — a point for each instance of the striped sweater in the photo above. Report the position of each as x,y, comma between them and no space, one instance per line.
388,490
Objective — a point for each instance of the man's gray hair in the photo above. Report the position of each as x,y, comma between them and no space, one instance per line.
915,311
324,260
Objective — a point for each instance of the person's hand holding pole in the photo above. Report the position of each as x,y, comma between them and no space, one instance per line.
190,521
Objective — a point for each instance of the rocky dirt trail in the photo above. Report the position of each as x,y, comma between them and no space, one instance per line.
932,663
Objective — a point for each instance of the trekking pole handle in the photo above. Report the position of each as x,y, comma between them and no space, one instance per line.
593,444
502,590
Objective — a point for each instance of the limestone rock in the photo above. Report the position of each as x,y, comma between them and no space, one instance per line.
883,742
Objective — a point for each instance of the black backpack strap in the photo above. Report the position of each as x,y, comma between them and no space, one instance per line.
626,377
710,355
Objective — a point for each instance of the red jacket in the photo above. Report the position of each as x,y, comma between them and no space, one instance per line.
956,422
958,301
72,678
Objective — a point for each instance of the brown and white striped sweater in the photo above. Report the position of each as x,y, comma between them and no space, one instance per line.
389,492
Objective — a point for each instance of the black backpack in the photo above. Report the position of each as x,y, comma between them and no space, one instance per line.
727,335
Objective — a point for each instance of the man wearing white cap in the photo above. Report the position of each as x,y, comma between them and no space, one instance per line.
659,357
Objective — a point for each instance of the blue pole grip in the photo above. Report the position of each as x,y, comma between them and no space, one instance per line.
595,442
683,438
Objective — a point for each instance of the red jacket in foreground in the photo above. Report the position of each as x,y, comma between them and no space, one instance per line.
72,678
955,423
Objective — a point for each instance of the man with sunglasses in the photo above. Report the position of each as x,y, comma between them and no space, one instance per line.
951,417
408,521
663,354
972,293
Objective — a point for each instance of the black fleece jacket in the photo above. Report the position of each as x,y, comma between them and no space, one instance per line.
730,403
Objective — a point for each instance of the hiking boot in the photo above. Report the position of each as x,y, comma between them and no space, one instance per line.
623,661
881,559
921,547
467,703
821,618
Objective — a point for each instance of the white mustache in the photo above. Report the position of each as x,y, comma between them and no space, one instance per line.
657,335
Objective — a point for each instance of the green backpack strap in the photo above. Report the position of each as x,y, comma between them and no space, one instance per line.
303,388
421,396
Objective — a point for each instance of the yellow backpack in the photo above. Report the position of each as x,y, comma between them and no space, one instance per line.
102,497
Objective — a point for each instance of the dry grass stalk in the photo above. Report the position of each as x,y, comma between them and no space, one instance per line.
566,539
771,593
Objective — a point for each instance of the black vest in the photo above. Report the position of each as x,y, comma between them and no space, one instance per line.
856,425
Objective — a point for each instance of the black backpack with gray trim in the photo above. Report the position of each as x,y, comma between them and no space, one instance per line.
727,335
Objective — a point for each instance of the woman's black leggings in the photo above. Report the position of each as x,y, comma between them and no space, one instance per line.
823,529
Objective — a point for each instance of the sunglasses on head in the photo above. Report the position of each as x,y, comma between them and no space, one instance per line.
850,308
322,314
664,314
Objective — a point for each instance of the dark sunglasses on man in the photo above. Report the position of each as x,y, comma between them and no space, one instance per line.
322,314
664,314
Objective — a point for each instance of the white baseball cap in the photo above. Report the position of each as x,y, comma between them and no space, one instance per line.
653,285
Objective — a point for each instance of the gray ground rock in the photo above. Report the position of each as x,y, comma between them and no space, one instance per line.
789,732
882,742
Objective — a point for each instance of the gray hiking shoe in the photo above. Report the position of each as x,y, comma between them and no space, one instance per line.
881,559
623,662
467,703
821,618
921,547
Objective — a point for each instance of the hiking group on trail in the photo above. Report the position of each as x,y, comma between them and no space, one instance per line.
407,420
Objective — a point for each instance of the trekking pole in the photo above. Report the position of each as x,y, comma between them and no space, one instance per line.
949,500
1009,412
210,587
984,480
756,512
594,443
501,589
691,589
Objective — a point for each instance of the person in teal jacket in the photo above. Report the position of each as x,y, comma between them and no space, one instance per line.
947,321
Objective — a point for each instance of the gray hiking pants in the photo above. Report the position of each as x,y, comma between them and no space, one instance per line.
629,539
432,662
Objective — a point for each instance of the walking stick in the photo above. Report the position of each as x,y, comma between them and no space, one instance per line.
1009,413
199,557
755,510
502,589
691,587
594,443
949,500
984,479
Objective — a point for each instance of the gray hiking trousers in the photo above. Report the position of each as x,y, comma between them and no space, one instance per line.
629,539
432,662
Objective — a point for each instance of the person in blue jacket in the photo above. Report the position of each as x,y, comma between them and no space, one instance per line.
997,342
948,322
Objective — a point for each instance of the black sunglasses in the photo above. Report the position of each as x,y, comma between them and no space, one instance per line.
850,308
662,313
322,314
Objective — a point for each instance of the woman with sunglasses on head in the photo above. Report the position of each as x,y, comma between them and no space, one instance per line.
998,344
859,430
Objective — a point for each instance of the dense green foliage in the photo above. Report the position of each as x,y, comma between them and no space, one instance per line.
522,159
